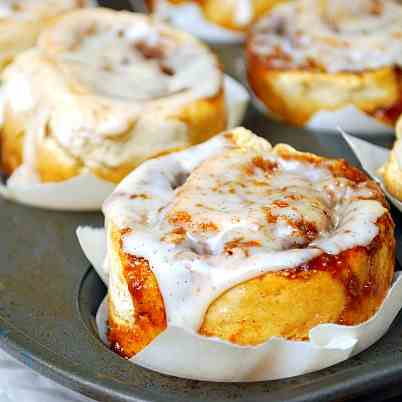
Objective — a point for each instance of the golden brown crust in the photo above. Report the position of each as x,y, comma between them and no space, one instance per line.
296,94
347,288
11,144
149,318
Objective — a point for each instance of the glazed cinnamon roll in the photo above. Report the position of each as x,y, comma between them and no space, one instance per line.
313,55
235,15
22,20
222,239
105,90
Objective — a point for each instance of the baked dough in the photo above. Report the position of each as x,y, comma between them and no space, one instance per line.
105,90
236,15
314,55
392,170
241,241
22,20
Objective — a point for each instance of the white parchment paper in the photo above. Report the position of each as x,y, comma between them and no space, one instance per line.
372,158
186,354
87,192
237,99
188,17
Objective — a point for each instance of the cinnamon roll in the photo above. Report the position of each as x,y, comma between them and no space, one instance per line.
233,15
105,90
309,56
22,20
392,170
238,240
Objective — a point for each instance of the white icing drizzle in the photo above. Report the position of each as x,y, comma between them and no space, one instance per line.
104,76
221,213
337,35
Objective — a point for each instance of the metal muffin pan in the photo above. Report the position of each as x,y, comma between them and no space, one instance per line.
49,296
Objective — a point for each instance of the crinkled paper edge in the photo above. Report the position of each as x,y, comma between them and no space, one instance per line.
184,354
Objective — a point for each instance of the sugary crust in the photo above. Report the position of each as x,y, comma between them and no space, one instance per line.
346,288
223,12
295,95
204,118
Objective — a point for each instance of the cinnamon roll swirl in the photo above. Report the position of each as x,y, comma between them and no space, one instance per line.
241,241
105,90
22,20
313,55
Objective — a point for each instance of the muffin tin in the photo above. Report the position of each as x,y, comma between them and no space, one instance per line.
49,297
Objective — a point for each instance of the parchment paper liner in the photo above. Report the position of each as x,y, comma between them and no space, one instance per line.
189,18
350,118
372,158
185,354
86,192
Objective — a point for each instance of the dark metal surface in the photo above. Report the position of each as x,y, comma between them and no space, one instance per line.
48,300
